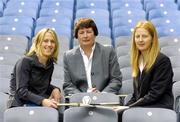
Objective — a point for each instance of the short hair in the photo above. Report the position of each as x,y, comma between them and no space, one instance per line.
85,23
38,39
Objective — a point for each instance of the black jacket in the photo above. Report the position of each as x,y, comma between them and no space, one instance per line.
154,88
30,82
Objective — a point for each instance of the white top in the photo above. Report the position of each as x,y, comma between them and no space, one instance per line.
141,65
88,64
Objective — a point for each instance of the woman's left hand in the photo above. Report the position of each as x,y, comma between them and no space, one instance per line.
55,95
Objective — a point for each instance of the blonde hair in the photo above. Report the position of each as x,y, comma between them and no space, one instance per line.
37,41
150,57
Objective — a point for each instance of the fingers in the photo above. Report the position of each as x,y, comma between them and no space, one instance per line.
49,103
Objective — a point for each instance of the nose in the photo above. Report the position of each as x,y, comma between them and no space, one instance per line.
140,38
49,43
85,34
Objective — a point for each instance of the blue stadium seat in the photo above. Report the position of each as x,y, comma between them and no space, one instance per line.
102,4
1,8
92,13
61,3
60,29
126,5
16,29
128,12
167,21
56,12
17,19
55,20
14,11
157,13
122,31
130,21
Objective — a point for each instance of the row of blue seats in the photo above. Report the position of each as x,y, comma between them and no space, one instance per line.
112,21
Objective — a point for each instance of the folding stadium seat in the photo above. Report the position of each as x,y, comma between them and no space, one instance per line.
122,40
176,94
19,10
154,5
3,100
178,3
14,39
25,1
102,4
128,12
92,13
137,114
64,44
130,21
61,3
31,114
58,72
176,72
90,114
55,20
1,8
127,87
123,50
5,85
126,73
126,4
169,41
171,50
124,61
6,70
56,11
122,31
175,61
17,19
9,58
10,47
16,29
24,4
60,29
172,20
168,30
162,12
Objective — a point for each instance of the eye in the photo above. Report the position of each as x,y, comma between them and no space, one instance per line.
144,36
46,40
137,36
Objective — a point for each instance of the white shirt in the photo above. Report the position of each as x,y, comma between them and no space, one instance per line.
141,65
88,64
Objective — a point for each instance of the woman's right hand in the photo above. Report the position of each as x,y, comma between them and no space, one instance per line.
49,103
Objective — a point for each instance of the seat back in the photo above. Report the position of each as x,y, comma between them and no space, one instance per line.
85,114
149,115
31,114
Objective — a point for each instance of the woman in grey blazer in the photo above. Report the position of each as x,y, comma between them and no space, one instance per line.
90,67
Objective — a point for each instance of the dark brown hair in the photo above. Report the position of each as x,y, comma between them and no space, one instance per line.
85,23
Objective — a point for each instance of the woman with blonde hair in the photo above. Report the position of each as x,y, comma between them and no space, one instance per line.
31,77
151,70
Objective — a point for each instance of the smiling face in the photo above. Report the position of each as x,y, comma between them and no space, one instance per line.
86,37
47,45
143,39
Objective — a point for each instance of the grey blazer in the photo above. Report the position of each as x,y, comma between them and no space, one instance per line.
105,72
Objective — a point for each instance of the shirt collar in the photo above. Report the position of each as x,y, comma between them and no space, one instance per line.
93,48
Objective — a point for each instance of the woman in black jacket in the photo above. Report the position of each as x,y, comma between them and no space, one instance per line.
31,77
151,70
